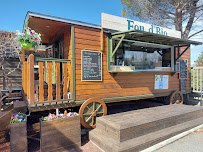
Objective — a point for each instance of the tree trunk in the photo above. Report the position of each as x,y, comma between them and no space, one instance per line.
178,20
191,19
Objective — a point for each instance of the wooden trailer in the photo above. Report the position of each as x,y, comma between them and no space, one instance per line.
89,65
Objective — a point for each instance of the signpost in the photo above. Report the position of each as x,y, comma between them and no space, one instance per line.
91,65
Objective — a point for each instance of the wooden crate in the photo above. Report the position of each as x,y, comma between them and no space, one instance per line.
18,137
60,134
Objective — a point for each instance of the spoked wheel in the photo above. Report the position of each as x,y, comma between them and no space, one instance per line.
176,98
91,109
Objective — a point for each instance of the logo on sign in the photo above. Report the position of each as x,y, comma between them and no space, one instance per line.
152,29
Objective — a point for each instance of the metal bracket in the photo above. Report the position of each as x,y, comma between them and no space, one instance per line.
116,48
183,51
172,73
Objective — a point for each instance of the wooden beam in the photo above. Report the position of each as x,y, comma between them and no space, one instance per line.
25,79
65,76
41,81
49,67
39,50
22,55
102,39
28,80
31,80
58,93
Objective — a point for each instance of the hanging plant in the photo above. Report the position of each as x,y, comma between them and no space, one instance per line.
29,38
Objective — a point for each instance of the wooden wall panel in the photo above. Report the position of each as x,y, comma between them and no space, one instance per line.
121,85
67,51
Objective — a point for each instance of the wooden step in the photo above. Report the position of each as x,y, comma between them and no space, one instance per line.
108,144
129,125
5,117
20,106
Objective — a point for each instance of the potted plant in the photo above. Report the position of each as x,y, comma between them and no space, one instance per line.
60,132
29,38
18,132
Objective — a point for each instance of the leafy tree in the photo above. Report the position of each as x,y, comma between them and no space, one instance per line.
199,61
179,14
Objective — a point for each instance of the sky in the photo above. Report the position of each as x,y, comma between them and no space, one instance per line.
13,12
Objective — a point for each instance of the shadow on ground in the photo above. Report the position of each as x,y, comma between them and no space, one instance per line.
113,108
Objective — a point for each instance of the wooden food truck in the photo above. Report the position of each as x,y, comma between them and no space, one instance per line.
89,65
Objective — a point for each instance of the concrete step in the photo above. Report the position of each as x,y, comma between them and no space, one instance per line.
129,125
109,144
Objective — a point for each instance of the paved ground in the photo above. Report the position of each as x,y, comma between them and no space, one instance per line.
87,146
190,143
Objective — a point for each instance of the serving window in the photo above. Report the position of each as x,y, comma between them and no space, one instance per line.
138,56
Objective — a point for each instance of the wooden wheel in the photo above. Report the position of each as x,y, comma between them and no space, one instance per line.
91,109
176,98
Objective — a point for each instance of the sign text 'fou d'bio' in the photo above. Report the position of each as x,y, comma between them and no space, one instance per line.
152,29
123,24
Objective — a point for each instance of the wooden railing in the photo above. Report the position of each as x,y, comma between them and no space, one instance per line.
197,79
46,80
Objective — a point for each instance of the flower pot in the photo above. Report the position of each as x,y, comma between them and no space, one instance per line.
18,137
60,134
26,45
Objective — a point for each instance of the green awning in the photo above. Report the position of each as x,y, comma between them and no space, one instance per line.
143,36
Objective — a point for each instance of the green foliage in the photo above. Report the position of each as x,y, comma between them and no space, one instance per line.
199,61
28,36
150,11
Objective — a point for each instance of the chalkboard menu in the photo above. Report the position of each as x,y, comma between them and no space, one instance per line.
183,69
91,65
183,84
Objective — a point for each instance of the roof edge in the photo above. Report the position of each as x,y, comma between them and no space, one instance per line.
138,31
55,18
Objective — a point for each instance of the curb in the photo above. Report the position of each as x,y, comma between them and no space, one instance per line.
172,139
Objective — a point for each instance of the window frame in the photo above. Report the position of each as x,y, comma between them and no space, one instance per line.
110,51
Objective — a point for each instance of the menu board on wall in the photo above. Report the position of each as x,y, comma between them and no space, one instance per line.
183,69
161,82
183,84
91,65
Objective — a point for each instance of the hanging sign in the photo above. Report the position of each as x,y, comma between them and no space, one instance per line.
161,82
91,65
123,24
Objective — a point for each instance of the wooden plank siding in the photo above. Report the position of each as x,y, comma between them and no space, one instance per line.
123,84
